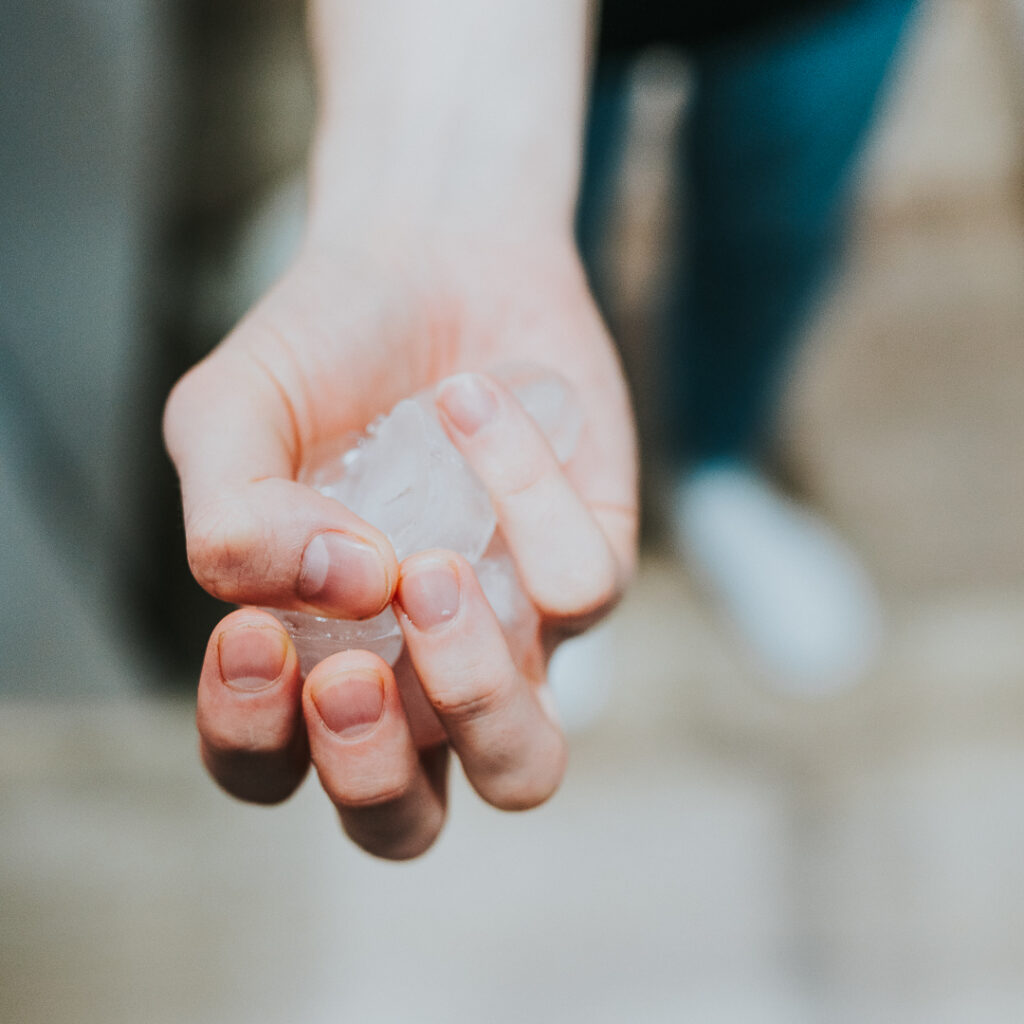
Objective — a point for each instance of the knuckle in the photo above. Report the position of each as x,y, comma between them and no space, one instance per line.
241,738
391,837
225,547
520,790
380,792
581,592
470,700
523,477
520,772
263,778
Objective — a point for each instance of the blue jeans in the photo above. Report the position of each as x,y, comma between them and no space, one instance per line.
776,122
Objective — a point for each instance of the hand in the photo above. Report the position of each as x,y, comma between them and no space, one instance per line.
347,333
443,177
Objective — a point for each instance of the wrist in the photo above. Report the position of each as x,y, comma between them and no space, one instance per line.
453,117
361,207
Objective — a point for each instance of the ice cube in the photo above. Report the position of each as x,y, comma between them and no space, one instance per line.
316,637
499,581
406,478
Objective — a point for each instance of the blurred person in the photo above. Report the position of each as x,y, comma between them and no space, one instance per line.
783,98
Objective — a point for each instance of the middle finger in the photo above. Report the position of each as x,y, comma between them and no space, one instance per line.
513,752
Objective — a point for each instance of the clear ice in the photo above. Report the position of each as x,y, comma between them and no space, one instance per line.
406,478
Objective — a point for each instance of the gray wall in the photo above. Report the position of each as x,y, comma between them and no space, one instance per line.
83,118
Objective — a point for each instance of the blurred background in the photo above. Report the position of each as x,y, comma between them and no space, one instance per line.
718,852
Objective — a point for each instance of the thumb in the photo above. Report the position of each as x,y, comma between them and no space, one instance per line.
255,535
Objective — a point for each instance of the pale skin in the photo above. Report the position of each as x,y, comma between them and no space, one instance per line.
439,244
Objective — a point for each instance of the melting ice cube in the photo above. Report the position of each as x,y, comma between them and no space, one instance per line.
406,478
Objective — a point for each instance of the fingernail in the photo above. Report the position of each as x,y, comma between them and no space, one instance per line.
251,657
468,402
336,567
430,595
350,705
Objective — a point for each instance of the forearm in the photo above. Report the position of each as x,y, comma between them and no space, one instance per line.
461,113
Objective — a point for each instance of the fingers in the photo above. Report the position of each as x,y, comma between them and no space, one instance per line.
511,750
255,535
251,732
565,561
390,798
258,726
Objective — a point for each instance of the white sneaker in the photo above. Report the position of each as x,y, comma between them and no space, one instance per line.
796,593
